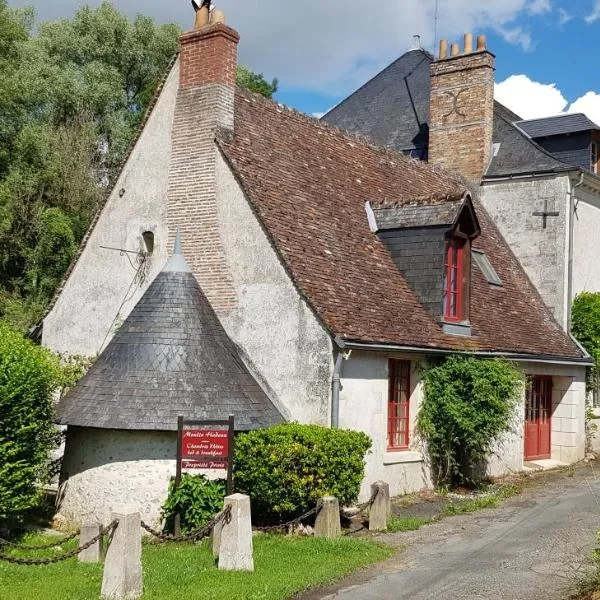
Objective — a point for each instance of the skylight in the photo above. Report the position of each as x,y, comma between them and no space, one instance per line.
485,266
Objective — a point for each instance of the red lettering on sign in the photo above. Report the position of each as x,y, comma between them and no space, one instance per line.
205,443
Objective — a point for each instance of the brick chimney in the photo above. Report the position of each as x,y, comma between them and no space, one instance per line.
205,103
462,108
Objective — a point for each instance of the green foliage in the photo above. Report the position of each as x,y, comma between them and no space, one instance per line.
286,469
469,403
197,499
28,377
255,82
585,326
398,524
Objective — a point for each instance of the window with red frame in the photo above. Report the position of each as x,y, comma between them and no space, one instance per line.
453,280
398,404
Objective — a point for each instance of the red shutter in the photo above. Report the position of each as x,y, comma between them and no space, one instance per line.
453,280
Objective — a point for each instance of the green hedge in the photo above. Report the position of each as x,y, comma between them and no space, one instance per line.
28,376
287,468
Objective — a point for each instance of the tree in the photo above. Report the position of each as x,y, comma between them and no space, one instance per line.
585,326
256,82
28,376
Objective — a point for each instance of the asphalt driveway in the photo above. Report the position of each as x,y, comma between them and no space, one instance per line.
534,546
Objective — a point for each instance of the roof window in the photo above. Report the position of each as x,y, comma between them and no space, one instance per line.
485,266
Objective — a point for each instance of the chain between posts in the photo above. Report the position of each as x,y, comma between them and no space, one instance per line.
291,524
370,501
58,542
192,536
55,559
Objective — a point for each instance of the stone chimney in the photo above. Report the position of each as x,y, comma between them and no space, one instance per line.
462,108
205,103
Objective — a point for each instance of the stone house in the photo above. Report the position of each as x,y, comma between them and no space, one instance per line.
338,269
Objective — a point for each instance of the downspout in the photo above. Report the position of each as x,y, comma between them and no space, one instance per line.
342,355
572,211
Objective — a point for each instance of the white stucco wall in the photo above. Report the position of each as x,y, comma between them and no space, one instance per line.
542,252
363,406
89,308
586,246
105,468
277,331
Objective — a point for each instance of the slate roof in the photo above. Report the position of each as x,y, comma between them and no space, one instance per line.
308,184
170,357
557,125
395,217
392,109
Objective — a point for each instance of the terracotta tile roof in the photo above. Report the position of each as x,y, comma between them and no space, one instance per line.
308,184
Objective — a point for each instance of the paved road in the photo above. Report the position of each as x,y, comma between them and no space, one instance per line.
534,546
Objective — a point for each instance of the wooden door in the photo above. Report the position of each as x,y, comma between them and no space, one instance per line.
538,417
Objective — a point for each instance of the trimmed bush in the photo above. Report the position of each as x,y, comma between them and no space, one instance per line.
469,403
28,376
287,468
197,499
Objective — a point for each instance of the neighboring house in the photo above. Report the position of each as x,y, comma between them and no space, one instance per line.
536,178
338,269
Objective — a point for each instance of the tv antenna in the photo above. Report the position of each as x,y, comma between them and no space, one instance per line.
435,25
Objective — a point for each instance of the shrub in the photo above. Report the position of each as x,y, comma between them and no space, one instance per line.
196,498
468,404
585,326
28,377
287,468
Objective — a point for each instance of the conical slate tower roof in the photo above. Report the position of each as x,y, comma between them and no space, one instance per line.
171,357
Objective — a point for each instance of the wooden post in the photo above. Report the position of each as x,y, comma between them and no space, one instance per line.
177,519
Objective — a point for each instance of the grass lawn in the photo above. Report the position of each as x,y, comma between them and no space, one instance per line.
284,566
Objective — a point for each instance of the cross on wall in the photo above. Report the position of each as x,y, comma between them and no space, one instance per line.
545,214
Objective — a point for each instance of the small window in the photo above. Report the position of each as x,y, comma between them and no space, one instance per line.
485,266
148,242
453,280
594,157
398,404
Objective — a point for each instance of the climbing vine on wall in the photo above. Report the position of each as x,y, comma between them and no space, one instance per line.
469,403
585,326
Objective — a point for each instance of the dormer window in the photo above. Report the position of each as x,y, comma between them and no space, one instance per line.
454,280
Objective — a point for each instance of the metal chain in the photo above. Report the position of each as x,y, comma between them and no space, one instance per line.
55,559
291,524
192,536
59,542
369,502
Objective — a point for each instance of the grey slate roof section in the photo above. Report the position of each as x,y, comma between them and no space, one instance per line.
392,108
557,125
400,217
518,154
171,357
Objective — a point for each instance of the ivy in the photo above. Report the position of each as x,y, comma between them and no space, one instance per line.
585,326
469,403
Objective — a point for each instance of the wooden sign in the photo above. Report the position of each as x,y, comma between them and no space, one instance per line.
203,445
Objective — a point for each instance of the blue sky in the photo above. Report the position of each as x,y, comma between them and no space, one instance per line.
323,51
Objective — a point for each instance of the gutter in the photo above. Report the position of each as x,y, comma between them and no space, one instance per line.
528,175
572,211
342,355
543,358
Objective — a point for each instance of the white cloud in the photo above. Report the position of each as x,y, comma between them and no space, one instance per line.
595,14
564,17
588,104
333,46
531,99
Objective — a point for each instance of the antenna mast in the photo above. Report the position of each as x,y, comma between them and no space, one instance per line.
435,25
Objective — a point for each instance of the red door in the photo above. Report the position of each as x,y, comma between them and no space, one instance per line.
538,417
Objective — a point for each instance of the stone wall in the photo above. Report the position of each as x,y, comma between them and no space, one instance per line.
586,226
104,468
542,252
101,292
285,344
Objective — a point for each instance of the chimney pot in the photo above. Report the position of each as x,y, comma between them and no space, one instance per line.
217,16
443,48
454,50
202,17
481,43
468,43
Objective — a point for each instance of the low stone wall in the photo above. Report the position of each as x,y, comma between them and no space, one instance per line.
104,468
